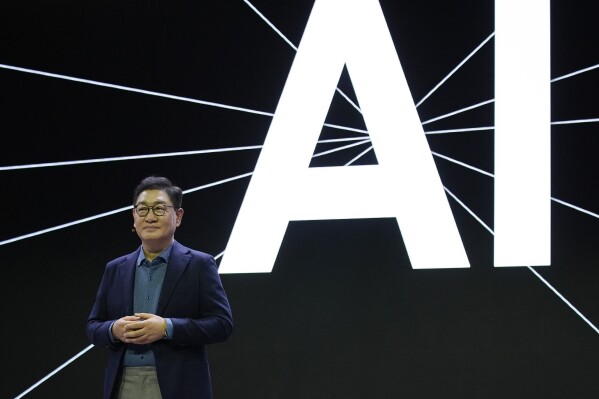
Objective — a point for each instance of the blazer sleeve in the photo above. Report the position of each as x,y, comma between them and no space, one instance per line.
100,319
209,318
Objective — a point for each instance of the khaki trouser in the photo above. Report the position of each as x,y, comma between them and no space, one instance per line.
139,383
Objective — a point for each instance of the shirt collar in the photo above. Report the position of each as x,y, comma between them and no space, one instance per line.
164,255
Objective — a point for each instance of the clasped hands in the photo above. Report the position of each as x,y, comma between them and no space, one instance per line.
141,328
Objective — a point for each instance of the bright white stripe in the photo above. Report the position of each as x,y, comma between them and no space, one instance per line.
217,183
349,100
54,372
359,156
101,215
273,27
575,73
459,111
293,46
462,164
560,296
468,210
128,158
340,140
157,94
65,225
149,156
134,90
529,267
575,207
471,129
455,69
341,148
350,129
575,121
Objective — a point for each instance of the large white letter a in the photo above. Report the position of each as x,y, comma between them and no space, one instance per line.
405,184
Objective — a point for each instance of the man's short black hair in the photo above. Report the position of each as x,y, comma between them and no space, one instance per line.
160,183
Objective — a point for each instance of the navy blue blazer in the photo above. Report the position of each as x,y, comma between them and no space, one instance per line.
192,297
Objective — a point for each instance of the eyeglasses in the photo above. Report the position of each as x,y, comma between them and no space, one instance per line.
159,209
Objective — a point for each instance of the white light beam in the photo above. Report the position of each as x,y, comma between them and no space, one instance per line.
479,220
459,111
569,75
471,129
129,158
555,291
134,90
293,46
593,120
455,69
577,208
158,94
462,164
54,372
360,155
151,156
341,148
104,214
560,296
273,27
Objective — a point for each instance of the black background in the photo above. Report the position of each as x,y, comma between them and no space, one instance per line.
342,314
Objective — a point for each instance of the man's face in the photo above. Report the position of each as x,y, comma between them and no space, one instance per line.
156,232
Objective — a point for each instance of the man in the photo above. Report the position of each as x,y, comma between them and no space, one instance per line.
159,306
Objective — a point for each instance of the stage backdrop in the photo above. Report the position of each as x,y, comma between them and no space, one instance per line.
99,94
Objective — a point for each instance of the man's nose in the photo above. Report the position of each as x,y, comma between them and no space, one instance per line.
151,217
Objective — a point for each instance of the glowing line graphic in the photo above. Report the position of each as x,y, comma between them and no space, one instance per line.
130,157
362,131
455,69
150,156
273,27
341,148
575,207
54,372
575,121
471,129
556,292
560,296
468,210
101,215
217,183
359,156
65,225
73,223
293,46
340,140
349,100
575,73
461,164
459,111
109,213
134,90
158,94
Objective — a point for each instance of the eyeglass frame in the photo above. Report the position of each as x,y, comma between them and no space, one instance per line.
151,208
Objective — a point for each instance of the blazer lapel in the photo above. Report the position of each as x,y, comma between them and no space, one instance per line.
177,263
126,275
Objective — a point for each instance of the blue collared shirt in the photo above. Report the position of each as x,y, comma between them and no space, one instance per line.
149,277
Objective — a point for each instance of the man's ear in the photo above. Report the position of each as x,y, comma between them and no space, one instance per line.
179,215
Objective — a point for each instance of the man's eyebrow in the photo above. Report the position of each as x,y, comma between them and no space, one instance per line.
152,203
